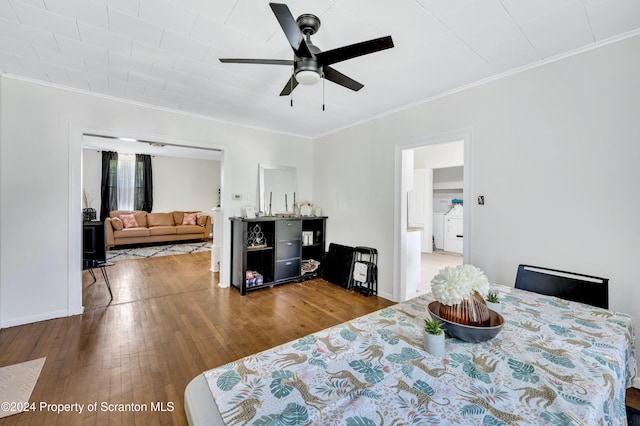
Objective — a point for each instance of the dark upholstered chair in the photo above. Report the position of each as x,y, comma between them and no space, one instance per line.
337,265
565,285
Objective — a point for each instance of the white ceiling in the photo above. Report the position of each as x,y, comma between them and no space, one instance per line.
165,52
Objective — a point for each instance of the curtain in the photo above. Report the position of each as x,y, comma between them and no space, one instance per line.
109,185
126,181
143,198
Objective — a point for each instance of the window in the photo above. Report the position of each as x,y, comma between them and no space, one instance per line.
126,183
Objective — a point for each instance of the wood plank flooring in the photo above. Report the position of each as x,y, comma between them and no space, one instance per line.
168,322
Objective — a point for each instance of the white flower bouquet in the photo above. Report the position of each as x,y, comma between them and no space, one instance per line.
452,285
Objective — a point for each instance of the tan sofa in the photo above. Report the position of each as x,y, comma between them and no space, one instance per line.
154,227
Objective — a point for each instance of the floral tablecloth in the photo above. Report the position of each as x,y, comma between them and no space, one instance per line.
554,362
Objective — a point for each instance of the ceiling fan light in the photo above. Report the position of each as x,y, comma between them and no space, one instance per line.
307,77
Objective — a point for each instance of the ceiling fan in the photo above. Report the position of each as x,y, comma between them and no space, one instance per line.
309,62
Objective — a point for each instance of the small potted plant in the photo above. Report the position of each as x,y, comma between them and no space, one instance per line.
433,337
493,302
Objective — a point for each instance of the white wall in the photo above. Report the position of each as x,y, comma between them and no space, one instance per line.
555,151
353,182
40,172
179,183
185,184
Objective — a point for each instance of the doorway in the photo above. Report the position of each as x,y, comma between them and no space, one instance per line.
434,178
442,241
175,166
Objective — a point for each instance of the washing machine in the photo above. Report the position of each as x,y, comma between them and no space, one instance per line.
453,230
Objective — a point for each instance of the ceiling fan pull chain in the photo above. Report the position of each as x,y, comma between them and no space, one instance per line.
323,90
291,86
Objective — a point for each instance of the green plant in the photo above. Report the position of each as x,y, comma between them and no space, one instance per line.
433,326
492,297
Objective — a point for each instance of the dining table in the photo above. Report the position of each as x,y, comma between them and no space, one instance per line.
554,362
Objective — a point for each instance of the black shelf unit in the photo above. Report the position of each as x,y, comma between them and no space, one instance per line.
313,242
274,248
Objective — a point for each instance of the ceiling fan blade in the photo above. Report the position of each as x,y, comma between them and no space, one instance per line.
257,61
337,77
288,88
291,30
354,50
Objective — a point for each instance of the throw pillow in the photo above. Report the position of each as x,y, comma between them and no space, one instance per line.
117,224
129,221
189,219
141,218
201,219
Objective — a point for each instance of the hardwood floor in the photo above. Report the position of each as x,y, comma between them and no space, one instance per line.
168,322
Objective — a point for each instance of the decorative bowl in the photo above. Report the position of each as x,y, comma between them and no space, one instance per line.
472,311
469,333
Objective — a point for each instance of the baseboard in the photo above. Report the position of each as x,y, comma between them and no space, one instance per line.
34,318
386,295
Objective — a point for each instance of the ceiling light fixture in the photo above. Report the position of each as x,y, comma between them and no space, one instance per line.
307,77
157,144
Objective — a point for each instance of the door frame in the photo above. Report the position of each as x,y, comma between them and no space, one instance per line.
400,204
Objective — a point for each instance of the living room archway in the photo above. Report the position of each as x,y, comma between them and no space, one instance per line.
76,182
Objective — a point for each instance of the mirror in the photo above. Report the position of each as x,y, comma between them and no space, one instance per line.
278,186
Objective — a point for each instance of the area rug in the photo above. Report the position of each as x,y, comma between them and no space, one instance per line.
155,251
16,384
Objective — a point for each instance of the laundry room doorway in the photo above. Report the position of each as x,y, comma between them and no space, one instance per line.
434,220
